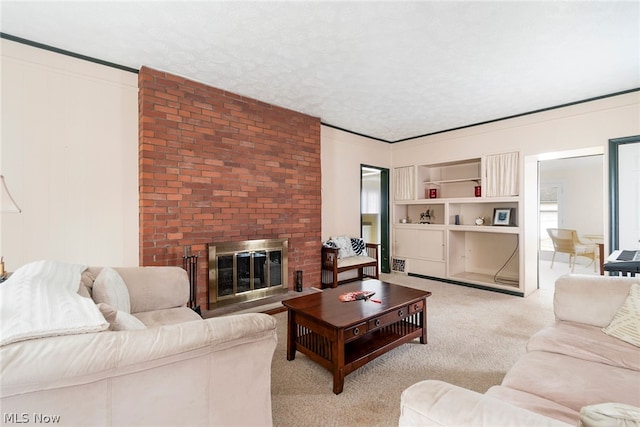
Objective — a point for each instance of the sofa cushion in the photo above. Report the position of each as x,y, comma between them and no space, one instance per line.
119,320
436,403
572,382
625,325
609,415
534,403
109,288
590,299
155,288
354,260
167,316
585,342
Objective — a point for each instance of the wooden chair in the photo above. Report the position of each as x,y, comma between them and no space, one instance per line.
567,241
366,266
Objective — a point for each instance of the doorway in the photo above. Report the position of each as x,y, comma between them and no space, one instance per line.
570,197
374,210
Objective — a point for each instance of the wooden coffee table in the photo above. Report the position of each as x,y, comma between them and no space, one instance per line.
343,336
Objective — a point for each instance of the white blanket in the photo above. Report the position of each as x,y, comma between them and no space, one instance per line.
41,299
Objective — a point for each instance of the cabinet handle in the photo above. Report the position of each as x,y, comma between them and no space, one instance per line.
400,313
356,331
377,322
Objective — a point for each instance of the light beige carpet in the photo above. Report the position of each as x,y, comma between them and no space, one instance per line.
475,336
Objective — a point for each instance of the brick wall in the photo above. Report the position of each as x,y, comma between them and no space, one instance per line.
216,166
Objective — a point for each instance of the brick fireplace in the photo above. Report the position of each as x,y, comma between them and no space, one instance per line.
218,167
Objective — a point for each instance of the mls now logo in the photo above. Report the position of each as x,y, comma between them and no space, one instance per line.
24,418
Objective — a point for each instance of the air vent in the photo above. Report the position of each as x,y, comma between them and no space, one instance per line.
398,265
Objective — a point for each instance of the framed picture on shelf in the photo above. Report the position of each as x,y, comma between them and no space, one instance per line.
504,216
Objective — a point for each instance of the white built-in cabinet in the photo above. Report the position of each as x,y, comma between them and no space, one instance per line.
438,237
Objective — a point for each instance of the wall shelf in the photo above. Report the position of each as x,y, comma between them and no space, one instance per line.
484,229
451,181
462,252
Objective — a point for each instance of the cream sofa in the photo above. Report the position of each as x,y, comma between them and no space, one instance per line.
177,370
569,366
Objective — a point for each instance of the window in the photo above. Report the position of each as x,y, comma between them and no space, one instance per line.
548,214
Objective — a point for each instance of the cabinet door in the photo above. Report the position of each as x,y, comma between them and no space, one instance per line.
425,244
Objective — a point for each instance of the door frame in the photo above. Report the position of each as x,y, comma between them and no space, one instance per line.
385,264
614,190
531,228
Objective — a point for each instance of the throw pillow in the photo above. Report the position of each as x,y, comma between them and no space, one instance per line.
109,288
625,325
83,291
86,283
330,244
119,320
609,414
344,246
358,245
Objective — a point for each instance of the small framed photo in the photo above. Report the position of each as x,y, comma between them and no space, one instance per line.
504,216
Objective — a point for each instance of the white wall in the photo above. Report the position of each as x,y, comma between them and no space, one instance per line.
589,124
342,153
582,180
68,149
69,152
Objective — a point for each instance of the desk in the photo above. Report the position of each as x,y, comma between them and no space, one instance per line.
625,268
598,240
601,257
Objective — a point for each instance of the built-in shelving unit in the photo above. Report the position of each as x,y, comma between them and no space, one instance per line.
439,237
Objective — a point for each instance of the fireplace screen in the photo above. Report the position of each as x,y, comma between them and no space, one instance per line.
241,271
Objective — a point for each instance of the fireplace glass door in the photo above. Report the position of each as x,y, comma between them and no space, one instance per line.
245,272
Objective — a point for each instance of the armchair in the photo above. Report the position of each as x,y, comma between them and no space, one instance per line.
567,241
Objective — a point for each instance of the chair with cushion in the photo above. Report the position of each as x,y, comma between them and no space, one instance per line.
567,241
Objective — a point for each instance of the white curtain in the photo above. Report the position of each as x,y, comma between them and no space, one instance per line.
502,175
404,183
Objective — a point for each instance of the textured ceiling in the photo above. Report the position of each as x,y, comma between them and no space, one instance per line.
389,70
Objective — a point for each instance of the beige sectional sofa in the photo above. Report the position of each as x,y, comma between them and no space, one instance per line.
568,367
172,368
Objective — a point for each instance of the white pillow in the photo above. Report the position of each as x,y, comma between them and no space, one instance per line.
344,246
109,288
625,325
119,320
609,415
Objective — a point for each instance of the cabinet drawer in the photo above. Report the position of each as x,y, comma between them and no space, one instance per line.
416,306
389,318
355,331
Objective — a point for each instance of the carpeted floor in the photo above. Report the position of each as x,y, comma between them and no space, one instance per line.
475,336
